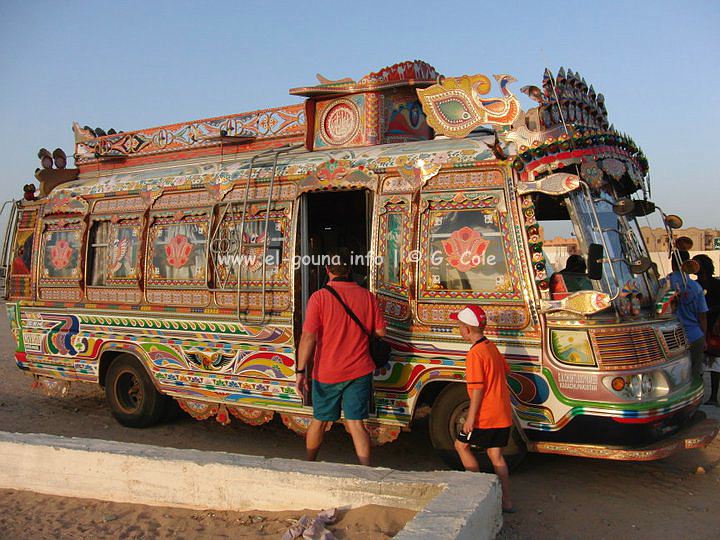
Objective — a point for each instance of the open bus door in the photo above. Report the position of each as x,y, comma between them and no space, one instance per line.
328,220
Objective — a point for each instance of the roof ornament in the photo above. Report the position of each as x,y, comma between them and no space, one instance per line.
454,106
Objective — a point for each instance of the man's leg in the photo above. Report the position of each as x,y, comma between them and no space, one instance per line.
314,438
468,459
356,405
326,410
361,440
501,469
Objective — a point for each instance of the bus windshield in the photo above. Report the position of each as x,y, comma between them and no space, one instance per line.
621,240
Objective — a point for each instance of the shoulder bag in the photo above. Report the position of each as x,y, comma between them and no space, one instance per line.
379,348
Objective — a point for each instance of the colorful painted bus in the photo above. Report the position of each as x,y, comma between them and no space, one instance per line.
176,262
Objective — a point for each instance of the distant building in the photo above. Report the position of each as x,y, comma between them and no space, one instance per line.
558,249
702,239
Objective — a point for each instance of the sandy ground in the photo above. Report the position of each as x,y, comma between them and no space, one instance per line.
557,497
67,518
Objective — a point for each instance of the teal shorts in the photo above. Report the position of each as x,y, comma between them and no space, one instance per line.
353,396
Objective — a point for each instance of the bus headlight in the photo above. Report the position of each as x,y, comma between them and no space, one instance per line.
649,385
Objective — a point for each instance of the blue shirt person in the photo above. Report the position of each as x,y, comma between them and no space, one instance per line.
691,309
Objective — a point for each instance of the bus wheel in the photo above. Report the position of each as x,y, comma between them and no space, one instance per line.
129,391
446,420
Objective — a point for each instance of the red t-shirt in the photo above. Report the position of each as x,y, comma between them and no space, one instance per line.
486,368
342,352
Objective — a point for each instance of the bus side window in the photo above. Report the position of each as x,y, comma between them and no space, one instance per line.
96,267
20,283
466,244
61,252
177,251
393,259
113,252
263,252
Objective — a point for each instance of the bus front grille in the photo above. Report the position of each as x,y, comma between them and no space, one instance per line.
675,340
626,348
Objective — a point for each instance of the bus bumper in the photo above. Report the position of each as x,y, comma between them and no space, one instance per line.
699,432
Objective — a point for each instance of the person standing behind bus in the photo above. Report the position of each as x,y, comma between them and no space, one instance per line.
342,368
489,416
691,309
712,298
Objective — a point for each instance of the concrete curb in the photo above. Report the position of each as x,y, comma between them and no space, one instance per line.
452,505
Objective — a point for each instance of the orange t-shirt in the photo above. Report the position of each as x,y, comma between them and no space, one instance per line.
487,369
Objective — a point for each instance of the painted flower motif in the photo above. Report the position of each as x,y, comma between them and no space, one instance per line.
60,254
465,249
178,251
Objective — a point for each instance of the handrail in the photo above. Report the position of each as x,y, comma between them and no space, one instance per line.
5,260
275,153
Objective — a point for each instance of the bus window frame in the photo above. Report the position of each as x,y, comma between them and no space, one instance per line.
12,292
52,225
175,218
468,200
389,205
135,220
280,211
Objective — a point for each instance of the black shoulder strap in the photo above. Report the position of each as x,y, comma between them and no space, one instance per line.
347,309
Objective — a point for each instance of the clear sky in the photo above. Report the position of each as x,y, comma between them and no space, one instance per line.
131,65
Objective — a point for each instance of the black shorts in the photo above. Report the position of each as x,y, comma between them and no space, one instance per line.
487,438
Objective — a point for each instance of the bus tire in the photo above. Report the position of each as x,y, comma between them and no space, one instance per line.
131,395
446,419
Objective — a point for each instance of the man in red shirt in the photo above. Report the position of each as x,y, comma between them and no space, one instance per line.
342,367
489,416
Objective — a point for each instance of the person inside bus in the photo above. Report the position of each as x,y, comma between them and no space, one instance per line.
570,279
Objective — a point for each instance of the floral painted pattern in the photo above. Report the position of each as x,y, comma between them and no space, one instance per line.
178,251
465,248
60,254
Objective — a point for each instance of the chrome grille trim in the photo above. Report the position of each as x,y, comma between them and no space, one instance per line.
674,339
623,348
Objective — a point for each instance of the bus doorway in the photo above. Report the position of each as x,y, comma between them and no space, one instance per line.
328,220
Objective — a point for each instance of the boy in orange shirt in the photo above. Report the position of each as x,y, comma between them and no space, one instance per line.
489,416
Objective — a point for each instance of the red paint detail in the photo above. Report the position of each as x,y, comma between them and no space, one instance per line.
20,357
641,420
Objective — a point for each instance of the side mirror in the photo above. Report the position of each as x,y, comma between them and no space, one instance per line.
684,243
643,208
595,261
691,266
623,207
673,221
641,266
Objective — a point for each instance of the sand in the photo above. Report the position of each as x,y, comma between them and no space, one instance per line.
26,515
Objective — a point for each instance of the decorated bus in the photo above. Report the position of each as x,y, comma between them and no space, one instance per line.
175,263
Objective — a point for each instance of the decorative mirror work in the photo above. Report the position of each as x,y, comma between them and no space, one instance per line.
465,239
179,251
